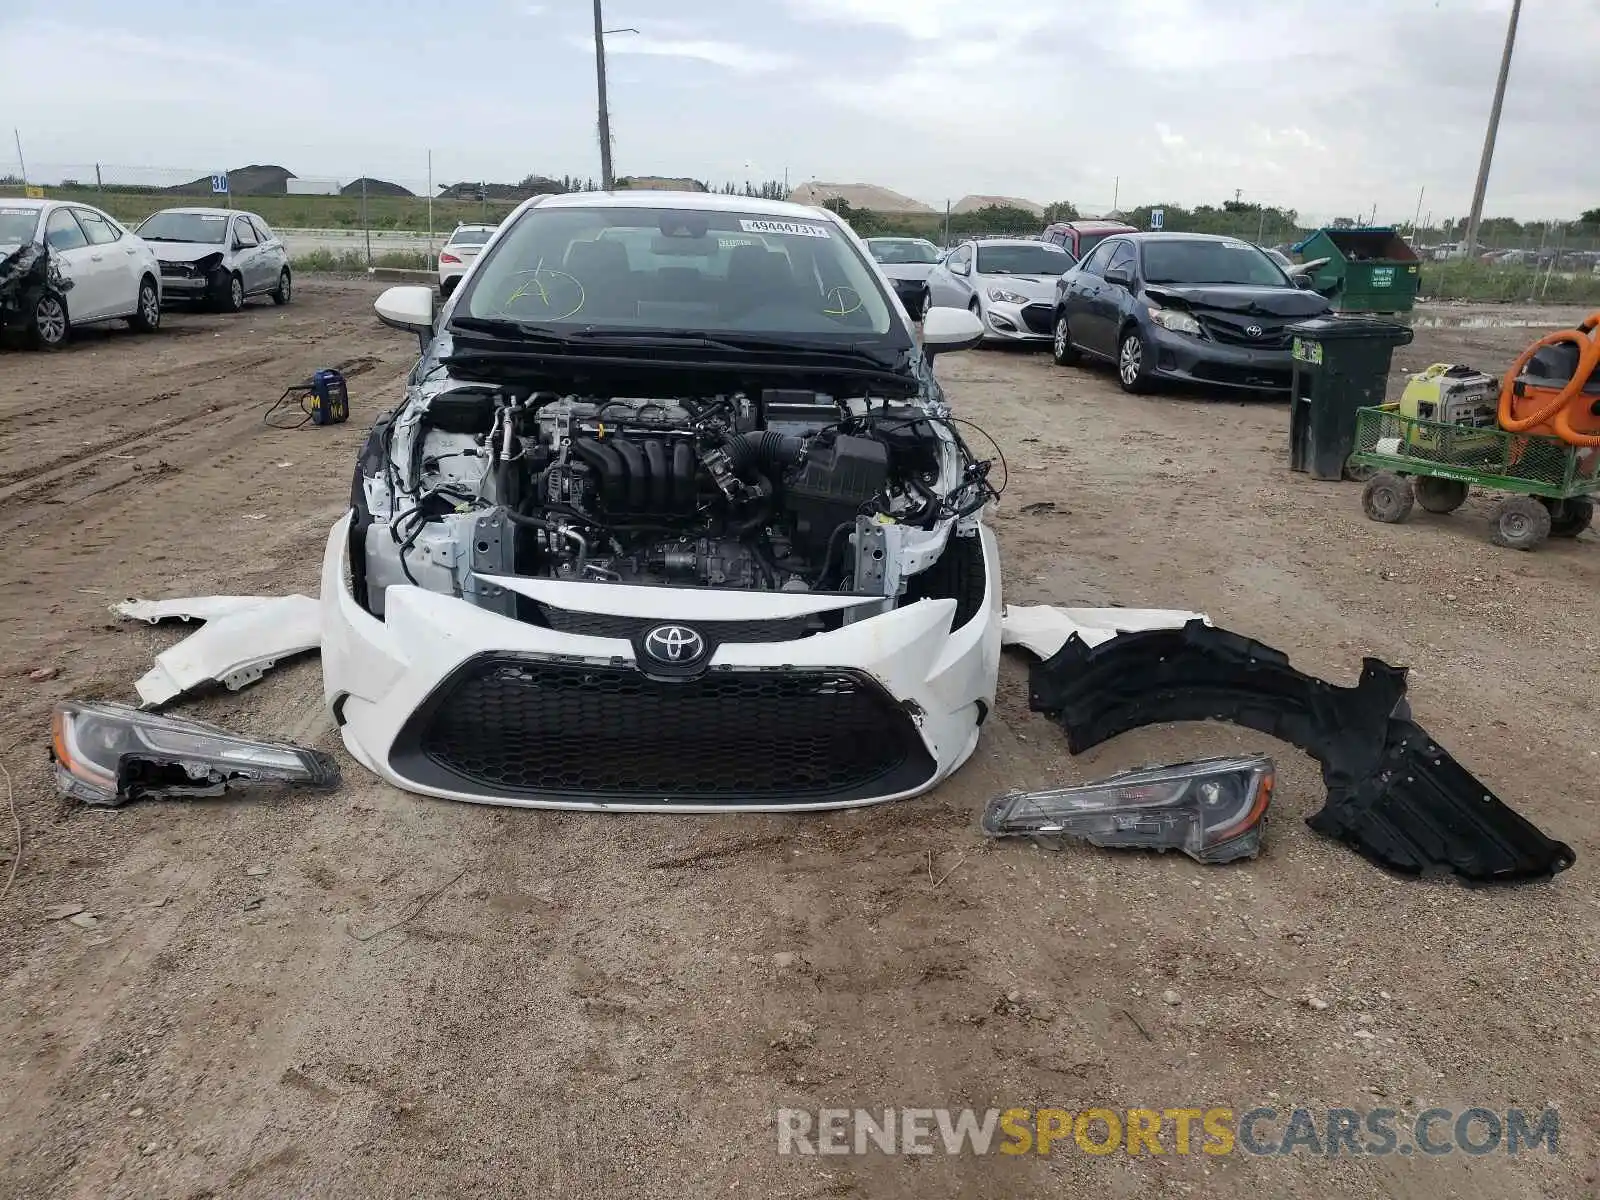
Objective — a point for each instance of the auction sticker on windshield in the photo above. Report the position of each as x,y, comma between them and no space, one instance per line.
791,228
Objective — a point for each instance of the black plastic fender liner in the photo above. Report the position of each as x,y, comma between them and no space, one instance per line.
1394,794
1422,812
1200,673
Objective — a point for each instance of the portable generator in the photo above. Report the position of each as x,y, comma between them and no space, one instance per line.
1451,394
324,399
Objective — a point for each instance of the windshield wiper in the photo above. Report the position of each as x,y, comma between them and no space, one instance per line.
510,330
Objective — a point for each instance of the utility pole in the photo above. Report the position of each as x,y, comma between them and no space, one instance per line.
430,208
365,224
17,133
947,224
606,180
1116,192
1482,187
1416,219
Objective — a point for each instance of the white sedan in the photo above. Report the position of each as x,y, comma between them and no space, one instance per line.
460,252
65,264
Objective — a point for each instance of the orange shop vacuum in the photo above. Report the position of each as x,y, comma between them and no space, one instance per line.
1554,388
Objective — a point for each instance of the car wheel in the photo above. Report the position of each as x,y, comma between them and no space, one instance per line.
235,296
147,317
285,288
1062,349
1133,362
50,325
446,286
924,305
1520,523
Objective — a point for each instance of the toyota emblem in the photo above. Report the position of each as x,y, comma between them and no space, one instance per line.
1254,330
674,645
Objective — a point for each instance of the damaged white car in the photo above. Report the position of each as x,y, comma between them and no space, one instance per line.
673,517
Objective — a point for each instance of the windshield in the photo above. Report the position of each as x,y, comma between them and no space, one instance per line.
677,270
899,251
470,237
17,225
1037,258
1088,241
209,228
1220,261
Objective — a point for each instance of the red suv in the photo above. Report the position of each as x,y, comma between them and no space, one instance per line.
1077,238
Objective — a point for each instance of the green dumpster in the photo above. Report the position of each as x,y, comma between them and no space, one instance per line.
1341,365
1371,269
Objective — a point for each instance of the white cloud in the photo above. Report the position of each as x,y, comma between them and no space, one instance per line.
732,56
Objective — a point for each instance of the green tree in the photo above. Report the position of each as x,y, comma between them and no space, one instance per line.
1061,210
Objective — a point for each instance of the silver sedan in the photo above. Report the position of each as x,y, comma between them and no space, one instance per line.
1010,283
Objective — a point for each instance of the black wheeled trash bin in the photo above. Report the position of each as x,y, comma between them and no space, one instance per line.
1341,364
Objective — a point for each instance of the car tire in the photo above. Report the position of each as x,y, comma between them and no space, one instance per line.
284,292
50,326
1520,523
924,304
447,286
1061,347
1133,362
147,317
233,298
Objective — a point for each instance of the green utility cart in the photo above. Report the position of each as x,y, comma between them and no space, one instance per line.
1370,270
1432,463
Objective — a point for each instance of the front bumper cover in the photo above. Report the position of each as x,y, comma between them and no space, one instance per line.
379,675
1189,359
1006,322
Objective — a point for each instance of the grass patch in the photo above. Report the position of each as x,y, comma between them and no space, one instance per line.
349,262
294,212
1514,285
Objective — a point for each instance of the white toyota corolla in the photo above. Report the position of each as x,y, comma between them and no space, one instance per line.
65,264
673,516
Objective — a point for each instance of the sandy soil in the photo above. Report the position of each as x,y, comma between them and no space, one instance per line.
374,995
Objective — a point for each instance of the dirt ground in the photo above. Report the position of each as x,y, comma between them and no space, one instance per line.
371,994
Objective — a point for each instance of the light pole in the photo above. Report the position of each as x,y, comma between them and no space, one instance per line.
600,31
1476,217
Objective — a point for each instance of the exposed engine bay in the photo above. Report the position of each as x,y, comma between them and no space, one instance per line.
770,489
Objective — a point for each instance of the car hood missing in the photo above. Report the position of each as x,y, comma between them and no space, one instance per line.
1241,298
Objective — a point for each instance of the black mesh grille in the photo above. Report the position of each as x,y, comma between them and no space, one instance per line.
589,624
505,726
1040,318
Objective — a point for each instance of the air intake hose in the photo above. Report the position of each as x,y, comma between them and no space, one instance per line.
765,449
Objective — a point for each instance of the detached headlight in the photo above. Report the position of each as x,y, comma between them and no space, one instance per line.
1175,320
110,754
1001,296
1214,810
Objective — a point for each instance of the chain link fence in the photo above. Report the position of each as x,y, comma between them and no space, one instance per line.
378,219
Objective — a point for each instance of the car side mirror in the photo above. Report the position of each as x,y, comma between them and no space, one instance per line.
960,268
408,308
1303,282
946,329
1120,278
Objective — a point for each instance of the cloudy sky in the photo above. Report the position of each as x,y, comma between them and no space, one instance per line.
1327,107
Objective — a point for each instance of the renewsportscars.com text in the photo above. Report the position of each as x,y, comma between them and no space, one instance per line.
1167,1131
